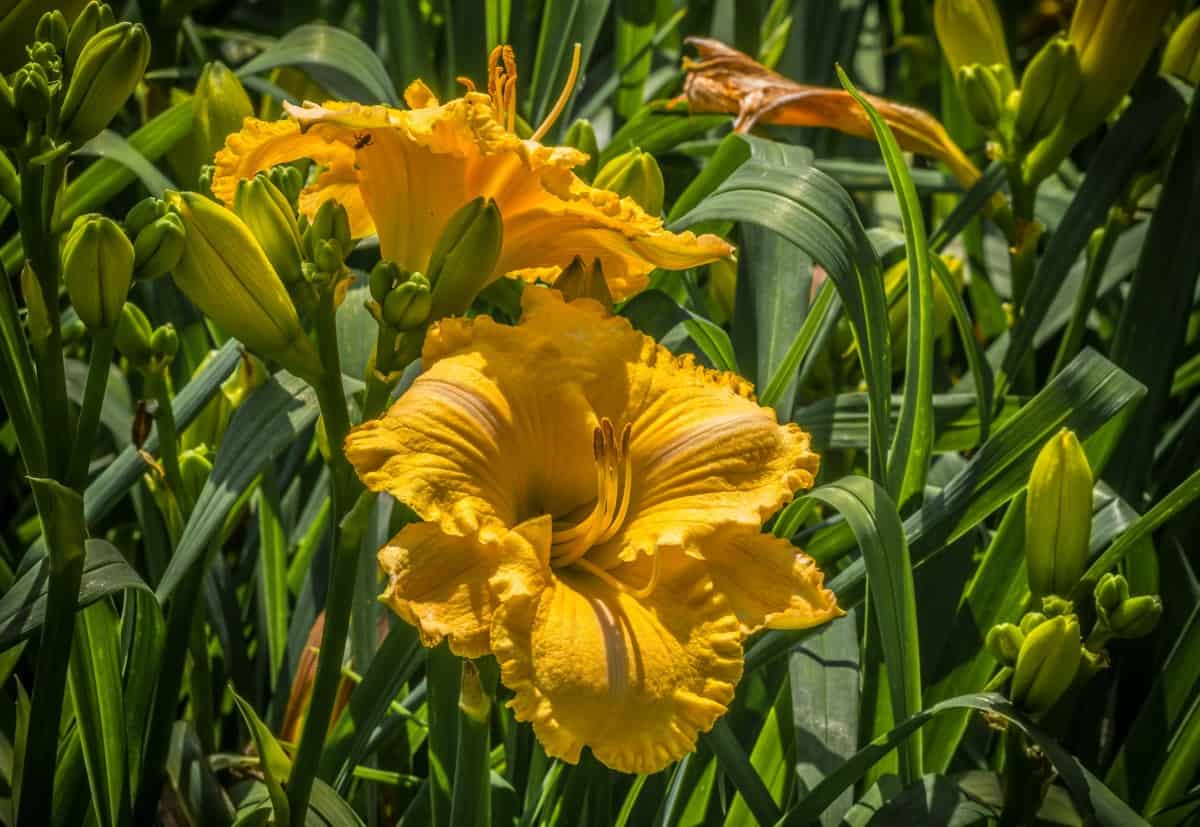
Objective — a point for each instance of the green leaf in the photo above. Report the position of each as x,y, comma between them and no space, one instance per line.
776,390
564,23
772,756
657,131
713,341
741,772
109,144
912,442
272,572
634,24
326,807
272,760
969,205
337,59
872,517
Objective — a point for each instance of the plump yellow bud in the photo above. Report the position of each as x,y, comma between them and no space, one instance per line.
1058,516
1182,56
94,17
581,136
227,275
1049,85
133,336
982,94
1135,617
971,31
634,174
407,305
464,257
1047,664
37,315
97,268
109,69
219,106
272,220
1004,643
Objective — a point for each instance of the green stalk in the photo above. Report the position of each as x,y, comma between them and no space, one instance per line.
392,353
443,675
89,412
1024,782
472,797
168,438
343,564
1100,248
18,384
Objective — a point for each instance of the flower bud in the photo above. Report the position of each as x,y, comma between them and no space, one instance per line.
1047,664
406,306
1004,643
1182,55
37,315
1111,590
144,212
982,94
465,256
164,342
1058,516
385,275
52,29
109,69
97,268
219,106
1135,617
12,126
634,174
31,92
289,181
227,275
1050,83
272,220
971,31
1030,621
581,136
133,336
158,247
330,224
194,469
94,17
584,281
473,699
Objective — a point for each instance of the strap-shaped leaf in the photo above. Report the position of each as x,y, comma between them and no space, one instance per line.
339,60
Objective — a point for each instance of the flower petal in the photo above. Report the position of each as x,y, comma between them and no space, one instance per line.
439,582
768,581
635,680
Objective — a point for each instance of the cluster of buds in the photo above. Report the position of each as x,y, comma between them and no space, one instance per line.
1121,615
76,79
150,350
326,242
400,300
158,238
971,34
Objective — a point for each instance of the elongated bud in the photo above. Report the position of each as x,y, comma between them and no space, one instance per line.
31,92
1110,592
97,269
219,106
1004,643
52,29
289,181
407,305
94,17
133,336
144,212
1135,617
109,69
12,127
272,220
1030,621
634,174
227,275
1049,85
326,240
1047,664
971,31
982,94
464,257
158,247
581,136
37,315
194,469
1182,55
1058,516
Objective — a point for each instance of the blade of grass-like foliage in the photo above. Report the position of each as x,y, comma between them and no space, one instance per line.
466,42
824,686
272,760
272,572
109,144
1090,796
564,23
657,129
772,757
981,371
912,441
631,798
736,764
635,23
777,390
968,206
142,626
1120,155
443,672
872,516
690,792
600,97
1154,317
713,340
337,59
96,692
813,212
326,807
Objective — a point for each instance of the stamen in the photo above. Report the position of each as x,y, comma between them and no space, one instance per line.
467,83
642,593
655,575
625,467
613,486
502,84
563,97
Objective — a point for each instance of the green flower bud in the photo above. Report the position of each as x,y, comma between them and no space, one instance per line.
164,341
1135,617
97,268
384,276
158,248
1004,643
194,469
1110,592
971,31
1053,606
272,220
1049,85
94,17
982,94
143,213
109,69
37,317
52,29
464,257
219,106
581,136
331,223
1182,55
407,305
31,91
12,125
634,174
1058,516
133,336
1047,664
227,275
1030,621
289,181
327,255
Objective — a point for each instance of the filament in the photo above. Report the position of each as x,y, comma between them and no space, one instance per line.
563,97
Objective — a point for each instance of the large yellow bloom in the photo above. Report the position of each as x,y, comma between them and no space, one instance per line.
592,512
403,173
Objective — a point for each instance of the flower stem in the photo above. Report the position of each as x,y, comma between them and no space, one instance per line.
168,439
392,353
89,412
343,564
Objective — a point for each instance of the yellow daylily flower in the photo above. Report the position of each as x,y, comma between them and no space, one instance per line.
592,511
403,173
